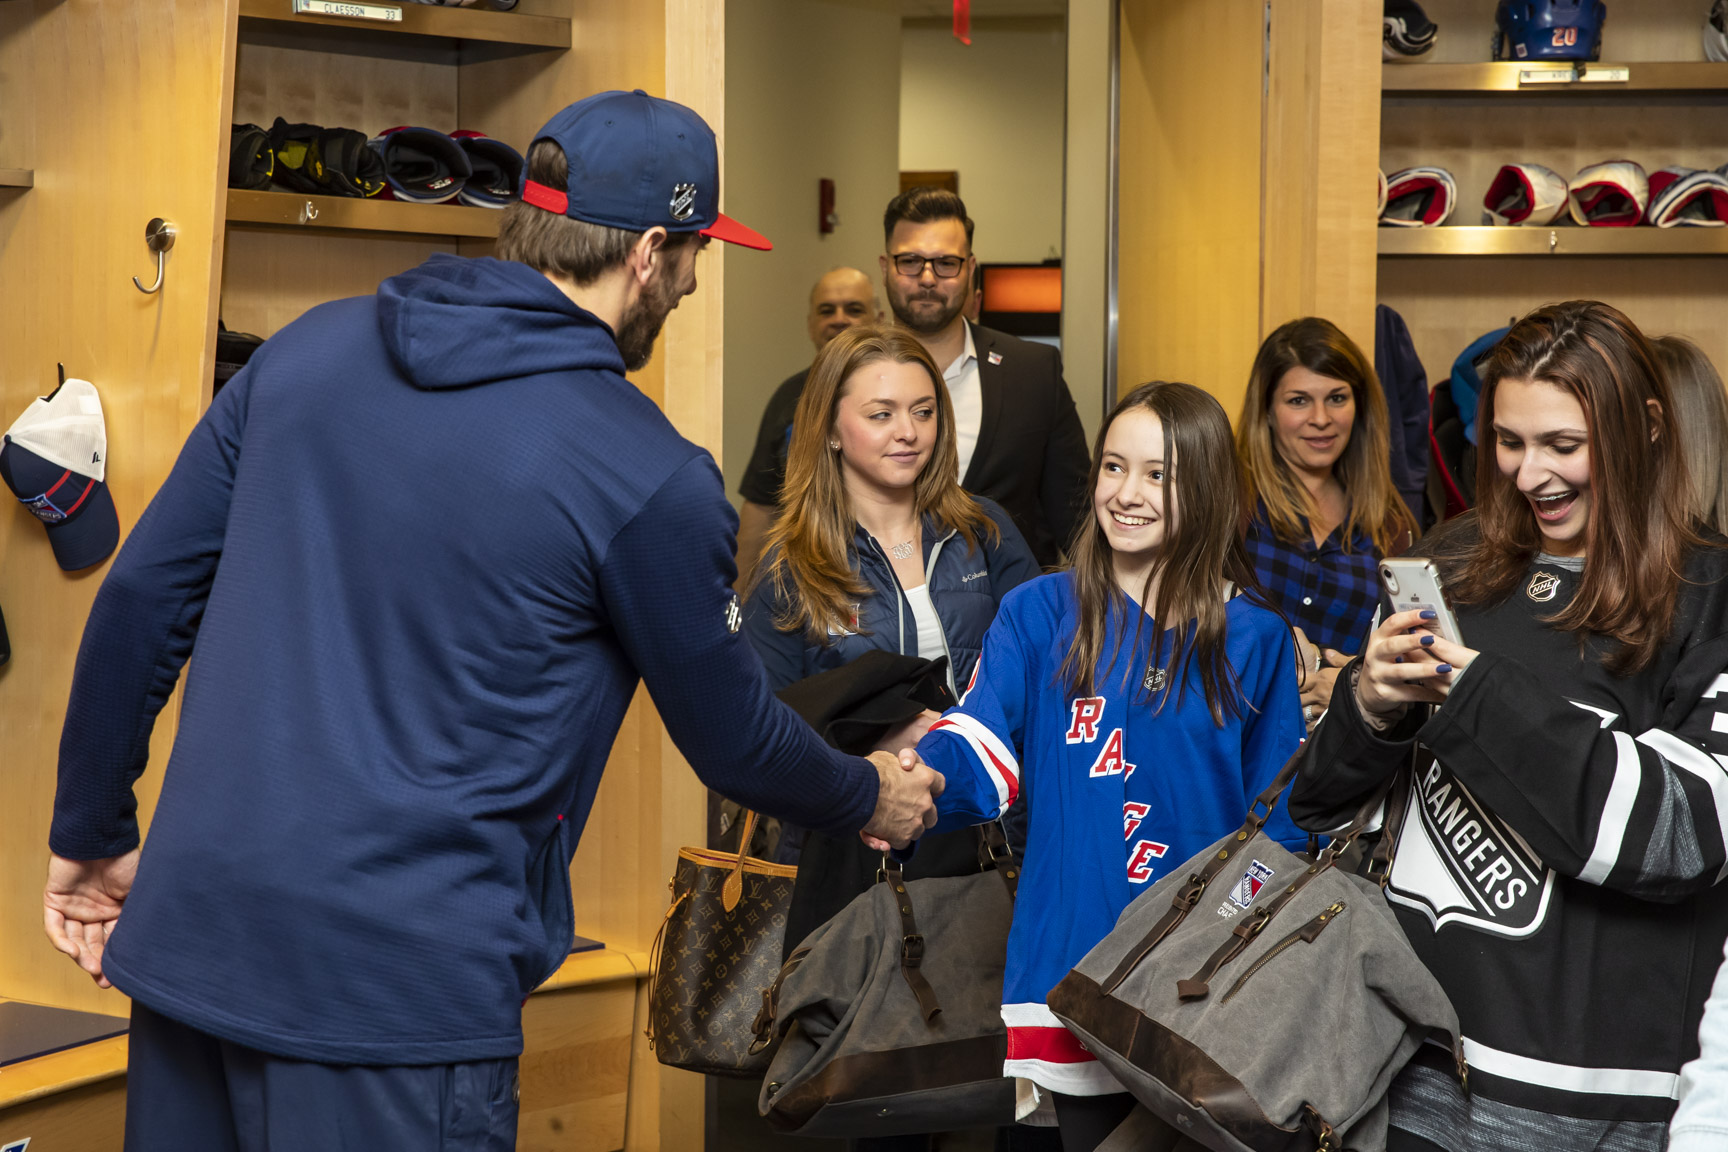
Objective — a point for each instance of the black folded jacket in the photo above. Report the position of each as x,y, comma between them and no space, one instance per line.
855,705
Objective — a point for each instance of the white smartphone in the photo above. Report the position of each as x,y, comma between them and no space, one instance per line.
1415,583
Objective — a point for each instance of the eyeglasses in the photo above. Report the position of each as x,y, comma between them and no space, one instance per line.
912,264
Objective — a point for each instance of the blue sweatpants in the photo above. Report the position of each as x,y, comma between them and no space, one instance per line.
187,1090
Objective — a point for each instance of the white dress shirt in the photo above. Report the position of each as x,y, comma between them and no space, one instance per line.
967,397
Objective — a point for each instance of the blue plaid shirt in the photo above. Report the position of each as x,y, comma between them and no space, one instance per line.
1326,591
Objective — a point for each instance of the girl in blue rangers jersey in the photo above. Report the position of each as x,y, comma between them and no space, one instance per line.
1138,745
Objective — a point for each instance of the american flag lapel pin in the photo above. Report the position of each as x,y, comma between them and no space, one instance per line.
995,357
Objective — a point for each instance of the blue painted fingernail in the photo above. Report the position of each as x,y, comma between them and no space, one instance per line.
1428,614
1427,639
1397,659
1443,668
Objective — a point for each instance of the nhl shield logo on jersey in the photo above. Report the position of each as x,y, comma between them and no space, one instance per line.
1458,863
1542,587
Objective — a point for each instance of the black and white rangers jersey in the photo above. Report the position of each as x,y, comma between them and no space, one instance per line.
1559,860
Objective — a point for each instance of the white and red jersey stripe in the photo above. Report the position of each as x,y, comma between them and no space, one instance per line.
1041,1050
994,756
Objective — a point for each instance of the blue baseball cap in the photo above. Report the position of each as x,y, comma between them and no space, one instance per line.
638,162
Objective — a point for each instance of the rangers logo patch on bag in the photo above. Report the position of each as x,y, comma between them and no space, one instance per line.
1248,887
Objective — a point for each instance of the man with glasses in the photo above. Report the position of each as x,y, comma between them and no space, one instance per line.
1019,436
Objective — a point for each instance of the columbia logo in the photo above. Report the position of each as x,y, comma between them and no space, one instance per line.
971,576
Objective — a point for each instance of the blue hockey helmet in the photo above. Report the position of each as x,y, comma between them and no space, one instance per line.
1549,29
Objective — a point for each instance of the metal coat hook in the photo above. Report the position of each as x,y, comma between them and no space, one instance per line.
159,237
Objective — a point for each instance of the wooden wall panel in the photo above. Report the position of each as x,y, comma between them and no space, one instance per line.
1188,288
272,275
96,97
1449,301
575,1071
1246,181
87,1119
1322,123
307,81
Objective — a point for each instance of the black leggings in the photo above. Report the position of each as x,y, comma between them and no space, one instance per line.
1085,1121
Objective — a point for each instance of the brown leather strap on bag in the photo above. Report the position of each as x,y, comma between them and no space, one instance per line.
763,1027
733,889
911,940
994,851
1379,865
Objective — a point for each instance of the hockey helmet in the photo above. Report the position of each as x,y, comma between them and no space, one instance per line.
1549,29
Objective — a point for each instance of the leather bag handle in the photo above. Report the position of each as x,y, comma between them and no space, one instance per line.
911,940
994,851
733,889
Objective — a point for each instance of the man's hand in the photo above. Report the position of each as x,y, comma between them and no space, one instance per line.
81,904
905,803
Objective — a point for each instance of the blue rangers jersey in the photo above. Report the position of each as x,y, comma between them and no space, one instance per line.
1119,793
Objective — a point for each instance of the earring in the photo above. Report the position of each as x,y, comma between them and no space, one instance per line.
834,445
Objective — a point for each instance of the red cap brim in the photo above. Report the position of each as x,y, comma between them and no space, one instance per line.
727,229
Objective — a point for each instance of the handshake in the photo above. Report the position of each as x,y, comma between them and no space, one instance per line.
905,800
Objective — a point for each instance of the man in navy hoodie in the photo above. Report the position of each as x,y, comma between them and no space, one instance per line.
423,547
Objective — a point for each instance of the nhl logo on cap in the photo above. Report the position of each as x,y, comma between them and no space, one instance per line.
54,458
683,202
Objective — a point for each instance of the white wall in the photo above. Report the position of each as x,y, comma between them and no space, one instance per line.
812,91
1086,240
994,113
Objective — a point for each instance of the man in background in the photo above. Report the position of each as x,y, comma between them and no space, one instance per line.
842,299
1020,439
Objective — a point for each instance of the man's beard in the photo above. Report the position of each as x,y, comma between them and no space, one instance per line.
642,323
929,322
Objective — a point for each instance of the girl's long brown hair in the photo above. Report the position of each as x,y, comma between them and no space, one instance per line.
1701,418
1364,469
1197,559
809,548
1640,509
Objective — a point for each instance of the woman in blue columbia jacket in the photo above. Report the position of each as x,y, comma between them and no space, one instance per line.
875,531
877,546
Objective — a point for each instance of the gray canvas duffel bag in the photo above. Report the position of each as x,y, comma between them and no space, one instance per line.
889,1016
1259,1000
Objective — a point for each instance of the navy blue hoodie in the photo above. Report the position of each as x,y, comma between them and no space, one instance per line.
420,551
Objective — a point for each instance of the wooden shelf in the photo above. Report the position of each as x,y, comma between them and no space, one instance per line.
1640,76
1558,240
336,213
17,177
419,21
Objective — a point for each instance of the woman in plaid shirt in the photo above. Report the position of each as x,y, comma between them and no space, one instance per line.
1314,446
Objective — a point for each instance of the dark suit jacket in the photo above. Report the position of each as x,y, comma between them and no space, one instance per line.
1031,456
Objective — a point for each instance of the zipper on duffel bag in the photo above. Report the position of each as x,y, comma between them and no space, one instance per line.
1305,935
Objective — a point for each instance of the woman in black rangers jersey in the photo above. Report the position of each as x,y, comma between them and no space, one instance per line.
1559,856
